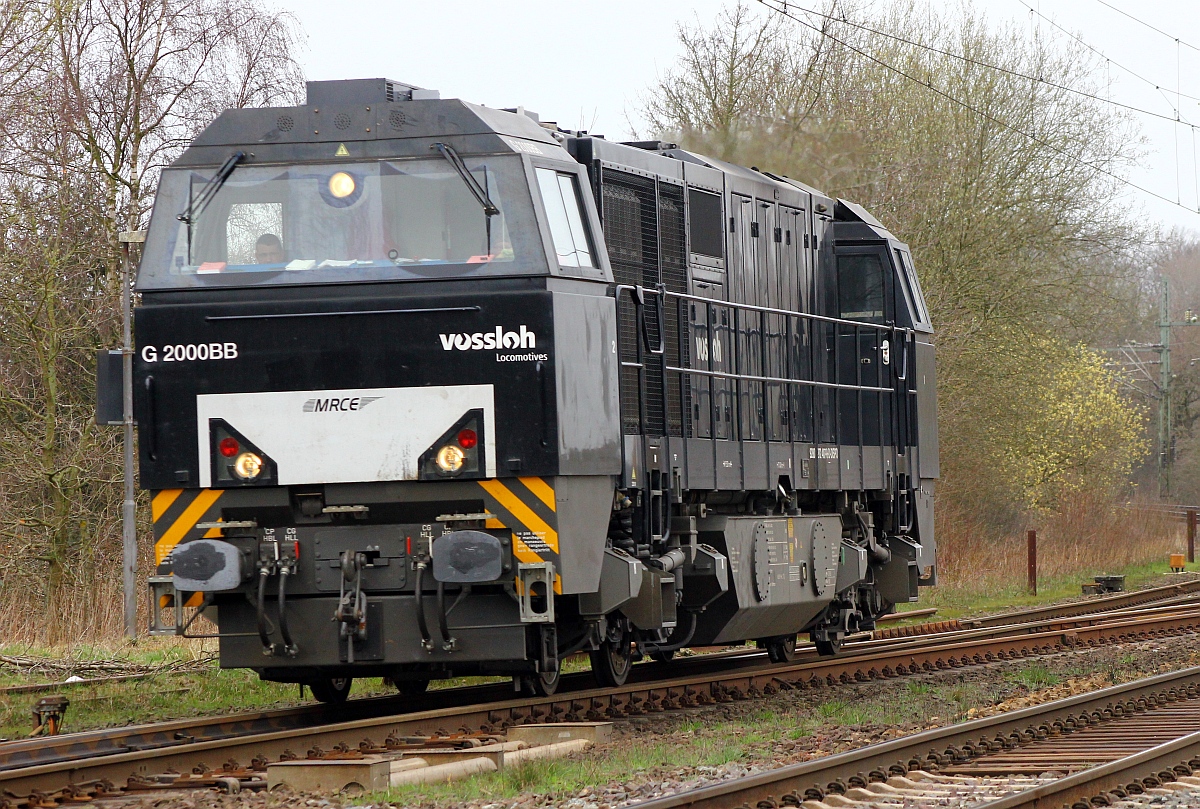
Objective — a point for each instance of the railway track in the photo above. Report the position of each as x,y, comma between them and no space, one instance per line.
1165,594
17,755
105,759
1095,749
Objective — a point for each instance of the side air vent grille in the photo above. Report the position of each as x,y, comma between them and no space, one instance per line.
643,226
673,248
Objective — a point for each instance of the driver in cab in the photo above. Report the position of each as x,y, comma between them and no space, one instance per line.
268,250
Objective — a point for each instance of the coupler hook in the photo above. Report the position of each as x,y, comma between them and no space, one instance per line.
352,606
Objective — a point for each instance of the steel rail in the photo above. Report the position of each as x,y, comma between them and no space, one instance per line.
182,732
594,704
1150,764
859,768
1131,598
85,744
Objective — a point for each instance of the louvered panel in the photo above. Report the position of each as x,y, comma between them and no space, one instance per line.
631,232
673,248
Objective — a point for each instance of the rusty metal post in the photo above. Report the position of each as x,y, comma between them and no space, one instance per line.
1191,517
1031,542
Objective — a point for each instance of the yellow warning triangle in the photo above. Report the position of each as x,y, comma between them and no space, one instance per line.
342,151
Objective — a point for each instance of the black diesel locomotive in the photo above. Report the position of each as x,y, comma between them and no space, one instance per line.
425,389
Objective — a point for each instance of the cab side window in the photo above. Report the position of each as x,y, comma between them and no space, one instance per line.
560,195
912,288
861,290
707,233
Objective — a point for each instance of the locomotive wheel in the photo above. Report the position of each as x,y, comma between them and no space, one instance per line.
781,649
543,684
663,657
412,688
611,662
331,690
827,648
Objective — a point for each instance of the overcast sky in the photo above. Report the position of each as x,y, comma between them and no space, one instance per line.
585,63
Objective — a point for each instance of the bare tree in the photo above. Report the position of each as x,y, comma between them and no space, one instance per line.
977,144
96,97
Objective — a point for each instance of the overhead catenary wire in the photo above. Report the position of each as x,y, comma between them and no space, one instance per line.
783,10
784,7
1100,53
1147,25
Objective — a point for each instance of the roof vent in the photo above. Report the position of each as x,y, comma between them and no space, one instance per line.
650,145
364,91
522,111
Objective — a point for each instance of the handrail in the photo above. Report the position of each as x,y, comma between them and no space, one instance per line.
637,295
780,379
770,310
902,376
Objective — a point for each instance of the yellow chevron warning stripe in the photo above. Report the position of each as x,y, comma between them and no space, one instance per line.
162,501
540,490
522,512
184,523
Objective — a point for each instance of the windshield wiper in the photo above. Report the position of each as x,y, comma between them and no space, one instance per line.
479,192
210,189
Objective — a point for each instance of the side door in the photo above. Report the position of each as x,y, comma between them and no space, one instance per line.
709,324
865,295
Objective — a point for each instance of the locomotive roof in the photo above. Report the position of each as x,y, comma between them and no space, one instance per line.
380,118
369,118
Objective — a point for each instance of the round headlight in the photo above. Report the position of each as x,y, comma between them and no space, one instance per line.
450,458
341,185
248,466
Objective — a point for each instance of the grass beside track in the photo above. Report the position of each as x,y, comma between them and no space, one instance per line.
794,726
960,602
201,688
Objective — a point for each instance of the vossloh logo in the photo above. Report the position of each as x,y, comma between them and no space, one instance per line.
482,340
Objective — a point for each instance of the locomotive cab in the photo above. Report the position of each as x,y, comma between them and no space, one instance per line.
427,389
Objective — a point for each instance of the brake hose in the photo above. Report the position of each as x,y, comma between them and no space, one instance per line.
426,640
671,647
288,646
447,641
263,634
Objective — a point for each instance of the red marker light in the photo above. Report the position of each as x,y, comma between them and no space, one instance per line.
229,447
467,439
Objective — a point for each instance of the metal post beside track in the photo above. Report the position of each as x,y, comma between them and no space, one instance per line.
1191,535
1031,542
129,504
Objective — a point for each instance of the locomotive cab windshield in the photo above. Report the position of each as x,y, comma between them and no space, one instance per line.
343,221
